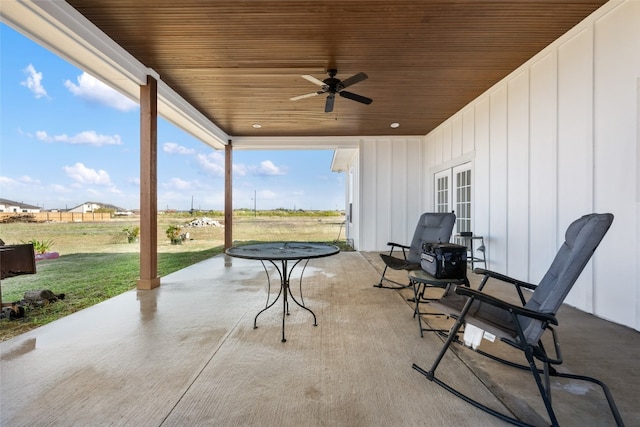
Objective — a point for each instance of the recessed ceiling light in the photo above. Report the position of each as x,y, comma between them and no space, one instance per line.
395,125
257,125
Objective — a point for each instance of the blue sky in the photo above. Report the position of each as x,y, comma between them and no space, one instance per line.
66,138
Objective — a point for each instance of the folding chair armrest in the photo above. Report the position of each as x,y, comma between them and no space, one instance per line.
491,300
398,245
503,278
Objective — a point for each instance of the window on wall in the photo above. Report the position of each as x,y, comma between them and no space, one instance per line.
463,199
453,191
442,192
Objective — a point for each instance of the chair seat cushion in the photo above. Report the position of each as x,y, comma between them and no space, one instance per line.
399,263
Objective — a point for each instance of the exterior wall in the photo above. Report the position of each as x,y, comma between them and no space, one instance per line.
392,191
556,139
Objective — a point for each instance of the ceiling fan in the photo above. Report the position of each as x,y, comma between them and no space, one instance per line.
331,85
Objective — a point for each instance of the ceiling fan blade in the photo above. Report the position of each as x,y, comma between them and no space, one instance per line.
313,80
328,106
356,97
308,95
353,80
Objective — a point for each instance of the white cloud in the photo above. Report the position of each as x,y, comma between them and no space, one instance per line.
34,82
173,148
26,179
239,169
84,175
212,163
93,90
88,137
7,182
32,188
268,168
178,184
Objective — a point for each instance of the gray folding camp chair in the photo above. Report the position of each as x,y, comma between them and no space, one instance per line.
522,326
433,227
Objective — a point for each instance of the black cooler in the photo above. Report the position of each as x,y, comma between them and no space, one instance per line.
444,260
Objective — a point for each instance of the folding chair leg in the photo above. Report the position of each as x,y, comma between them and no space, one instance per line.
384,272
542,381
382,279
452,336
431,374
605,389
379,285
543,388
475,403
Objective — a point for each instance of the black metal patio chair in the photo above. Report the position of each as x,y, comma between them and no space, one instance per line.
433,227
523,326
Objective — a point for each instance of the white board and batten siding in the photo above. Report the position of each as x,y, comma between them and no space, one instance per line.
392,196
557,138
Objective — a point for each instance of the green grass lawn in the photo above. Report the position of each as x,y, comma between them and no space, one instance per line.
97,263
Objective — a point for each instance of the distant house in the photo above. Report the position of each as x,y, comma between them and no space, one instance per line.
11,206
85,207
88,207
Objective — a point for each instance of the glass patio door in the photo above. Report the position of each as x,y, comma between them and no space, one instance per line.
453,191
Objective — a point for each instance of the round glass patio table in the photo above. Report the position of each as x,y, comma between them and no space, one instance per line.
283,253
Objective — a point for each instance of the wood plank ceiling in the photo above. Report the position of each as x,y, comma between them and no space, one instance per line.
239,62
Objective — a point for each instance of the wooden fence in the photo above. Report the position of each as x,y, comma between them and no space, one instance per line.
56,216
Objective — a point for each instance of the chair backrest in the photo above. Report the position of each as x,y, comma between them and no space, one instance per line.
433,227
581,239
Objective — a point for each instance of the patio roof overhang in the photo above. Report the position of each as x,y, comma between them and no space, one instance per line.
222,67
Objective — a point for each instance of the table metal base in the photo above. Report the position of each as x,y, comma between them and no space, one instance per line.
285,292
274,252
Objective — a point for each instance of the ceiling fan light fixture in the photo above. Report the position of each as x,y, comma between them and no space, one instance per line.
395,125
333,86
256,125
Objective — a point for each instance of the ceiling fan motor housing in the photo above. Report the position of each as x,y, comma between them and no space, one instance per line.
332,85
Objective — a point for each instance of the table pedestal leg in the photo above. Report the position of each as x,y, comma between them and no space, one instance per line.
255,319
285,291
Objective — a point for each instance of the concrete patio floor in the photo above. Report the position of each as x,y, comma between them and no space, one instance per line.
187,354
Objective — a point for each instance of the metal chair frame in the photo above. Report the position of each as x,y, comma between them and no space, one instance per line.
523,326
426,232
